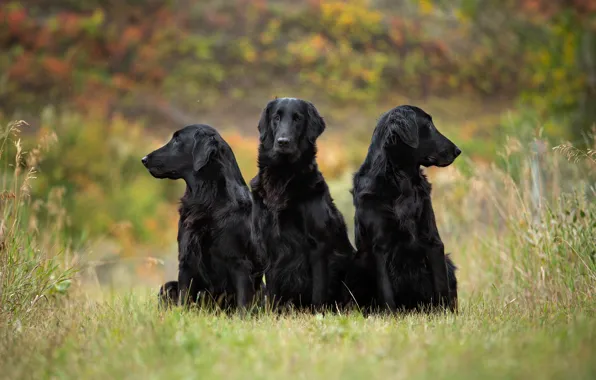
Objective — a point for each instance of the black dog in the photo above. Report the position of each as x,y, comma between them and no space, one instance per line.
297,228
215,250
400,261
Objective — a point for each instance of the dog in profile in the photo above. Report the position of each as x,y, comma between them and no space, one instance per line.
216,255
298,230
401,263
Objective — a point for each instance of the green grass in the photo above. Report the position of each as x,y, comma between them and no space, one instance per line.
127,337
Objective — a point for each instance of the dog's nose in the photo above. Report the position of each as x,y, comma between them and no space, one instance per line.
144,160
283,141
457,151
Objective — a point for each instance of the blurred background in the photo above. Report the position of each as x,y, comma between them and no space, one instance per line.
101,83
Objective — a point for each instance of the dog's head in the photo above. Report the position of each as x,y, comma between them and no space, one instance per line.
289,127
408,131
189,150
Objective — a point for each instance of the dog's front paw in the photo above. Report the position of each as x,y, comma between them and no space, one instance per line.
168,294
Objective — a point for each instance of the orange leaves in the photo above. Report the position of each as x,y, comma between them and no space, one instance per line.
131,35
319,42
122,82
43,40
69,24
259,4
147,53
531,5
315,4
56,67
218,19
546,9
312,48
15,18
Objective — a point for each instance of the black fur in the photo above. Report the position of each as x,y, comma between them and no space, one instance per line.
296,226
401,262
215,250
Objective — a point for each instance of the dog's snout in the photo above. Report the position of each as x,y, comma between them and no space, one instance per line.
283,141
457,151
144,160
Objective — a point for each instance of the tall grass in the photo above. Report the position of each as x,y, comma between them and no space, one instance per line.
525,228
35,264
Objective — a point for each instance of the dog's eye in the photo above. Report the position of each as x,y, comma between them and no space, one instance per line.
276,118
297,117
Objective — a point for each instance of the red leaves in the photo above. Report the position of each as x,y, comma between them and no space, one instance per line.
545,9
15,19
69,24
131,35
122,82
56,67
22,67
218,20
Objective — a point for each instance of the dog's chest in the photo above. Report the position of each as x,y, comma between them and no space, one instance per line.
408,211
407,207
286,230
285,222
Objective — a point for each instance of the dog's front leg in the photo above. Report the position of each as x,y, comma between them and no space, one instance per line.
383,281
244,289
188,288
273,288
440,281
189,263
318,260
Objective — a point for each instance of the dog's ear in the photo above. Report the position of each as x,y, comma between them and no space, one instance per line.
316,123
264,120
404,125
203,151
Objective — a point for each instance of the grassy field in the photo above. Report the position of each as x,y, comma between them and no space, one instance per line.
127,337
527,306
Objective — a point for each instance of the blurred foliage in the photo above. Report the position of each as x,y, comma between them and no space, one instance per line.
106,191
100,53
558,42
146,57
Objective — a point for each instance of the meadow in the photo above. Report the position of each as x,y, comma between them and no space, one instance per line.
527,269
